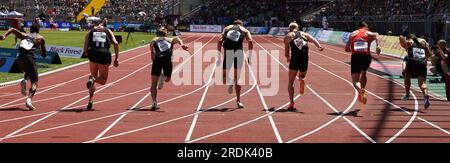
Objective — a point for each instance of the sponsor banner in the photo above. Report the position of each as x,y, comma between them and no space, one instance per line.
324,35
206,28
339,38
51,58
312,31
258,30
64,25
279,31
6,64
8,53
390,46
66,51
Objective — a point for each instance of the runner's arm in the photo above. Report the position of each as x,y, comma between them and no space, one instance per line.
177,40
426,46
375,36
152,53
13,31
314,40
41,41
115,43
86,45
402,40
287,47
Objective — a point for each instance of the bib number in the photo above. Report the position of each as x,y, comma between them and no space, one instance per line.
99,38
361,46
26,44
418,53
234,35
163,45
300,43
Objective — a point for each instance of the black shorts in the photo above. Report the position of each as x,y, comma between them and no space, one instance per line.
237,57
100,57
28,65
299,62
162,66
416,69
360,62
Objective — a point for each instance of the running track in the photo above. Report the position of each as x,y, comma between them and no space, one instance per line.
204,112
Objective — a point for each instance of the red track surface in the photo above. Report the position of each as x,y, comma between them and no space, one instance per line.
59,117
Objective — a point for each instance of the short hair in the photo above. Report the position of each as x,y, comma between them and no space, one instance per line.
34,29
293,26
363,24
442,42
161,32
411,36
238,22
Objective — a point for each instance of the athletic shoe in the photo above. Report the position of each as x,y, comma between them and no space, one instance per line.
426,104
240,105
302,87
29,104
363,96
405,97
154,106
23,87
90,104
90,82
291,108
161,82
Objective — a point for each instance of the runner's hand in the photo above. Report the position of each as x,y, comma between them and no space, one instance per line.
116,63
185,47
2,37
378,50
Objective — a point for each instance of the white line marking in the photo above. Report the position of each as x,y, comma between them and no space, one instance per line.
266,108
66,107
345,118
123,115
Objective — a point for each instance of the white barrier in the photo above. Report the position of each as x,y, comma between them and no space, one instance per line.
206,28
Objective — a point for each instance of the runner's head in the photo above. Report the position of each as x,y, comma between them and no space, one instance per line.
293,27
34,29
162,32
238,22
363,24
442,44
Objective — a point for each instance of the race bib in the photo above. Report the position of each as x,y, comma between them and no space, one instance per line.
361,46
26,44
163,45
419,53
234,35
300,43
99,38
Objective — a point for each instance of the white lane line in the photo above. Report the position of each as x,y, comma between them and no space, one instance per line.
348,108
403,128
83,90
57,85
100,118
345,118
194,120
175,119
66,107
266,108
8,84
123,115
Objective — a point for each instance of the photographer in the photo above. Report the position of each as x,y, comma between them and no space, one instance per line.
441,60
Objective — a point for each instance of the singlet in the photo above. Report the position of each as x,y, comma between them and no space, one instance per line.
360,44
28,46
100,41
163,49
233,38
299,44
416,52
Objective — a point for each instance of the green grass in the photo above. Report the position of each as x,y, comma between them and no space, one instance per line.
71,38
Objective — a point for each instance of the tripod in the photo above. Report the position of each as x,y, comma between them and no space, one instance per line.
129,35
